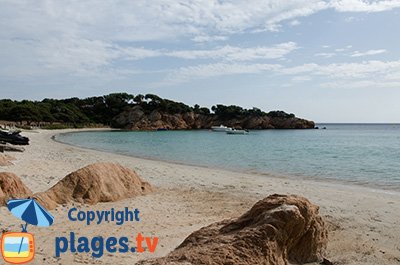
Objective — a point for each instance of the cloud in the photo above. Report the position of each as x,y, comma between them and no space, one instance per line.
346,74
208,38
77,55
325,54
225,53
185,74
358,70
365,69
351,19
83,56
136,53
231,53
346,48
374,74
300,69
360,84
143,20
52,38
71,55
364,6
290,10
301,78
368,53
294,23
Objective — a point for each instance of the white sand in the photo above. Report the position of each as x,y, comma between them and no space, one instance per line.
364,223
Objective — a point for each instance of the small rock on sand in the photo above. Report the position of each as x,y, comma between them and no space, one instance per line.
5,160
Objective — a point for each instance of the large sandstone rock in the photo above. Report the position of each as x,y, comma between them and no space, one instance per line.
99,182
11,186
276,230
5,160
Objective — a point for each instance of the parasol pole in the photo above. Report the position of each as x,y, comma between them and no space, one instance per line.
22,239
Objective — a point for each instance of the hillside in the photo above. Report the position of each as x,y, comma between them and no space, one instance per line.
142,112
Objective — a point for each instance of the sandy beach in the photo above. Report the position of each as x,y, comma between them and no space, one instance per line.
364,223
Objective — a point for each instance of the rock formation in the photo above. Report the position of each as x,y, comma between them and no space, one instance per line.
99,182
11,186
137,119
276,230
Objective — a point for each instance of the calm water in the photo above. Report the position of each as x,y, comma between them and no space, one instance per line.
362,154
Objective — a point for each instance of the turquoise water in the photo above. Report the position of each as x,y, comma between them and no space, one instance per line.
14,244
361,154
16,247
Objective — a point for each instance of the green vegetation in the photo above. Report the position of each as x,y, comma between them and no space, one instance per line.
236,112
75,112
280,114
72,112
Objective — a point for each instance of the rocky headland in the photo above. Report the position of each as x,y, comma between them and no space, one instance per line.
138,118
140,112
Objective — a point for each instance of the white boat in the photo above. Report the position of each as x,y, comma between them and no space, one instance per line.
220,128
235,131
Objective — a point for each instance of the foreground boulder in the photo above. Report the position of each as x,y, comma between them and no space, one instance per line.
5,160
276,230
11,186
99,182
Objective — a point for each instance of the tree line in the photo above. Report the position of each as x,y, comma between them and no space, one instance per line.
102,109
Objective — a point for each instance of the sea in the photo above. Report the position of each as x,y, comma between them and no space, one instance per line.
361,154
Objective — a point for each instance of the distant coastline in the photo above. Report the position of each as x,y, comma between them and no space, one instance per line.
140,112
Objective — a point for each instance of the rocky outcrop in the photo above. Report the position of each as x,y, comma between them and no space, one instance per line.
11,187
99,182
276,230
137,119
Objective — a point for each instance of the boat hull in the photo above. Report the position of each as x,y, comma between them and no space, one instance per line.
242,132
221,128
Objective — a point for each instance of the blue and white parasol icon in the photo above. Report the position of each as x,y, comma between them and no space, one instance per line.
31,212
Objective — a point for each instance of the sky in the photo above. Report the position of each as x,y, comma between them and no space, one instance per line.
328,61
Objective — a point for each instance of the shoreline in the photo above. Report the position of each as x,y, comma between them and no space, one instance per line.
340,183
363,223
